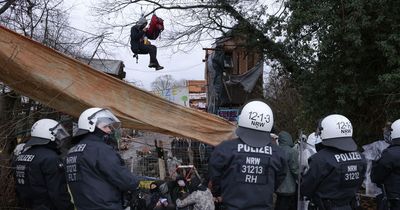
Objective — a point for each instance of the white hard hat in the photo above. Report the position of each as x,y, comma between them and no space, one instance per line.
96,117
255,124
45,130
337,131
395,130
313,139
142,22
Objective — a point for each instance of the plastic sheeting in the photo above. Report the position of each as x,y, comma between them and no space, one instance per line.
372,152
217,93
70,86
249,79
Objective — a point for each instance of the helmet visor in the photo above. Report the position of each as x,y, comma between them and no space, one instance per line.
106,119
60,132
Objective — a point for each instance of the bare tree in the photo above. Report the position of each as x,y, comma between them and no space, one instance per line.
196,20
45,21
286,102
164,82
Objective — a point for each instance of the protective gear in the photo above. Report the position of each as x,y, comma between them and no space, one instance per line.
395,130
40,179
94,166
97,117
337,131
255,124
333,178
141,23
386,170
245,176
45,131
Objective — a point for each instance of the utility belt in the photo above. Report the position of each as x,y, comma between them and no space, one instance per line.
328,204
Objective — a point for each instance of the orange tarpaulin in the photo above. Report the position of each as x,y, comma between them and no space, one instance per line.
70,86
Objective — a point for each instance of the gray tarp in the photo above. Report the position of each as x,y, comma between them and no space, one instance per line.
217,93
249,79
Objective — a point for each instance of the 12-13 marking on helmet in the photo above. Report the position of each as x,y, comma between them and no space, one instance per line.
259,120
261,117
344,127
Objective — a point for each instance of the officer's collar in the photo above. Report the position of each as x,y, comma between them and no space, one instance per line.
99,133
96,135
396,142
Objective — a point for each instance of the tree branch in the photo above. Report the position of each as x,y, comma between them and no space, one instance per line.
6,6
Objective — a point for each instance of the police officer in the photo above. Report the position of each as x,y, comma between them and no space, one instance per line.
245,171
386,171
95,172
39,172
336,172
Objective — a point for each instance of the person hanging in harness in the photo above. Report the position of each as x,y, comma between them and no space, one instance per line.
141,45
386,171
336,172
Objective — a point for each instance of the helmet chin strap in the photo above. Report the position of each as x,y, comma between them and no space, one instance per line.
107,137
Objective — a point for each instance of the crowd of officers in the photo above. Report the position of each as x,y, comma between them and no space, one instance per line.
244,172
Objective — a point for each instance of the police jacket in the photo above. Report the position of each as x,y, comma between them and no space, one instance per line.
97,175
40,179
387,171
334,175
246,176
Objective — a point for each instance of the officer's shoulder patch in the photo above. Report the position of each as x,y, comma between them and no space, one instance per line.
77,148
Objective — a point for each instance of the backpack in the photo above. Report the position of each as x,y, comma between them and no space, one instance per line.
156,26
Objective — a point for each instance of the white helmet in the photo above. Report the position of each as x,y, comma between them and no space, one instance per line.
46,130
395,130
337,131
142,22
313,139
255,124
96,117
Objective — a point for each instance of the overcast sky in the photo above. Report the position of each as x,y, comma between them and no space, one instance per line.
180,65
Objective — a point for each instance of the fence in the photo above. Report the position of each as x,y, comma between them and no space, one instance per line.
158,156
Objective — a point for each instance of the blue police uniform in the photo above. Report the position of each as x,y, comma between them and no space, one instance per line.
40,179
97,175
334,177
246,176
387,171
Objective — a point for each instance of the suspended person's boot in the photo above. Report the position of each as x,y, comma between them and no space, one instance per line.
159,67
153,65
